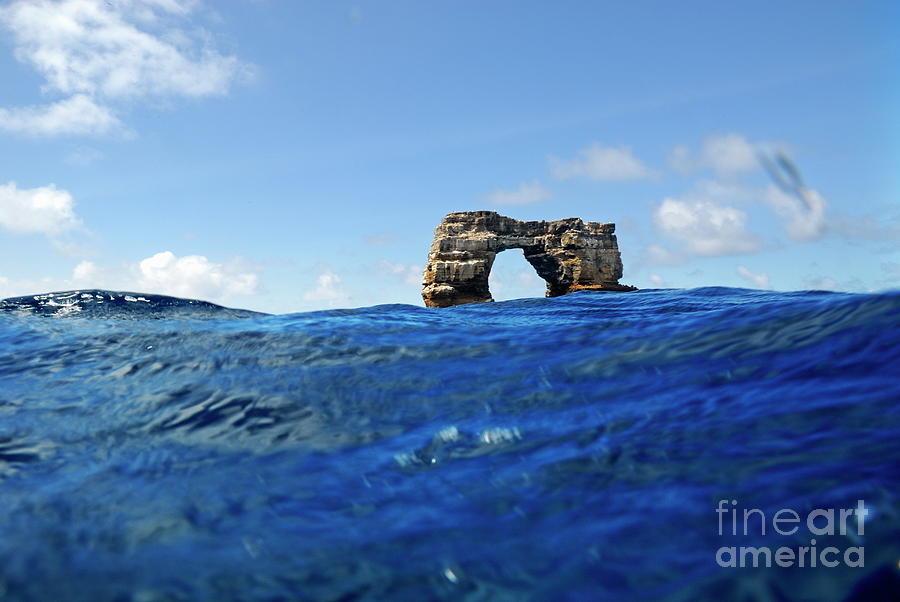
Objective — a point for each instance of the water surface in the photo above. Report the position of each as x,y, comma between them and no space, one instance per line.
154,448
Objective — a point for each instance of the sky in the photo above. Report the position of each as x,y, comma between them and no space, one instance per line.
291,155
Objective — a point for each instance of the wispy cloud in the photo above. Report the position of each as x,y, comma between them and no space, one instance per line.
328,290
729,154
97,53
83,155
891,270
526,194
409,273
827,283
601,163
759,280
380,239
76,115
658,281
726,154
821,283
885,229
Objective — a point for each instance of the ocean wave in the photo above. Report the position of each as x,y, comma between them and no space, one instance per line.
154,448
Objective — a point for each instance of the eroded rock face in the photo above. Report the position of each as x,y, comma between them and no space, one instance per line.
568,254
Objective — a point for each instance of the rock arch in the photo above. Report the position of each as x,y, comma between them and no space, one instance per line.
569,254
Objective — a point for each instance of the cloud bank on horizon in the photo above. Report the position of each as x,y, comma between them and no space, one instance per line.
211,157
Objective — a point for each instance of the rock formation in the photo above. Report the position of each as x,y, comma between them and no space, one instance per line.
569,254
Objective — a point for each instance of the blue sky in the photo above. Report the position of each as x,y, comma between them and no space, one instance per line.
289,156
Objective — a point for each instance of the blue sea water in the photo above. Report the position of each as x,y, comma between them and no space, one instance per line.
575,448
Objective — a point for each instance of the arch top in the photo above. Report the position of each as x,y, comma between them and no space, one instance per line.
569,254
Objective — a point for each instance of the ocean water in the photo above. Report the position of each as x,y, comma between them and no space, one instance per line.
575,448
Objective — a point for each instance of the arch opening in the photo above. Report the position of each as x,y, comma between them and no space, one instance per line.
512,277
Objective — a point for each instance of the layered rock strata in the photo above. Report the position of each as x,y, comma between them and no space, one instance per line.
569,254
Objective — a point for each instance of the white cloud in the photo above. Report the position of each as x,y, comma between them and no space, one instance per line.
658,281
760,280
826,283
18,288
97,52
77,115
410,273
802,213
727,154
529,278
526,194
731,192
97,47
30,286
45,210
193,276
656,254
328,290
705,221
84,272
83,155
705,228
601,163
822,283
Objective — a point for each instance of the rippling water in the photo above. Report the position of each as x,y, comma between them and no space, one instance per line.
154,448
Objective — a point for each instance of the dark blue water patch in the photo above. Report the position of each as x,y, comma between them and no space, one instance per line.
154,448
116,305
